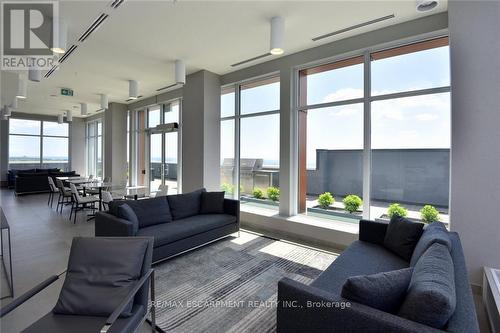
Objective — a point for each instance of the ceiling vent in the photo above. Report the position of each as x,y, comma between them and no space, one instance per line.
116,3
96,24
67,53
251,59
168,87
364,24
51,71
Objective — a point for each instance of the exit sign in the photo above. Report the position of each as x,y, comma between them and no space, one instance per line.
66,92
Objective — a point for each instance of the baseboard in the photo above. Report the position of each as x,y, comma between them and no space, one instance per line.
476,289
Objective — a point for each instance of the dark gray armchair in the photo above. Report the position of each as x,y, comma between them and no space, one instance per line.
105,290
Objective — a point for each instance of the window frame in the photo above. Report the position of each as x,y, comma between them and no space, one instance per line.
391,49
41,136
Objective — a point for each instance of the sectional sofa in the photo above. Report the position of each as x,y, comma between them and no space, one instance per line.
178,223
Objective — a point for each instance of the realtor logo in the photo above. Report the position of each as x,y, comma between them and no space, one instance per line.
28,33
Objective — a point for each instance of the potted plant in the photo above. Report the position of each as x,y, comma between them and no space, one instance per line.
273,193
352,203
396,209
429,214
258,193
325,200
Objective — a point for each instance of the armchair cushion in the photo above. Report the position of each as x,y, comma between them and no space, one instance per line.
185,205
431,297
402,236
101,272
212,203
384,291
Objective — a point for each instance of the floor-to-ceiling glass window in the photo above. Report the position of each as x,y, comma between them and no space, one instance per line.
94,148
377,145
250,127
38,144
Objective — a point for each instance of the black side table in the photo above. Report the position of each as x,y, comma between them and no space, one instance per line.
4,227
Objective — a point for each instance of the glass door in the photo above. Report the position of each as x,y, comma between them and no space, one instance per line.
163,162
155,161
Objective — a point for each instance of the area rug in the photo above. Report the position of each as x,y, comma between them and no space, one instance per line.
231,285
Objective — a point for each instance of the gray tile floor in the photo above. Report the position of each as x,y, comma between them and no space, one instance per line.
41,239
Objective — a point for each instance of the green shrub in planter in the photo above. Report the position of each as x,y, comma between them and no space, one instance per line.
258,193
396,210
325,200
429,214
352,203
273,193
228,188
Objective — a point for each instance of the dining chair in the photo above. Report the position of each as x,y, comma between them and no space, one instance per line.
162,190
107,197
112,295
64,195
52,191
81,203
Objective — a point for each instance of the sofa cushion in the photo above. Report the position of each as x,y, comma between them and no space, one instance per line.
359,258
113,206
433,233
384,291
402,236
125,212
185,205
212,203
170,232
150,211
101,272
431,297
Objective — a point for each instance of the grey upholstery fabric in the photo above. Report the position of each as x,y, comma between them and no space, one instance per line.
108,225
185,205
402,236
150,211
113,206
434,233
179,229
431,297
384,291
126,212
101,272
359,258
57,323
212,203
464,319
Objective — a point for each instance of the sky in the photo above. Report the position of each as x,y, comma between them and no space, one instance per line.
412,122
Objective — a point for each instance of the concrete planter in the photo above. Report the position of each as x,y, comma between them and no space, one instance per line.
386,218
261,201
335,212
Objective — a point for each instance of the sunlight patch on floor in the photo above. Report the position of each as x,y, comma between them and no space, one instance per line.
244,238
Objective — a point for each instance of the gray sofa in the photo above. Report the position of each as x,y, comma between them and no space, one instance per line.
176,222
363,257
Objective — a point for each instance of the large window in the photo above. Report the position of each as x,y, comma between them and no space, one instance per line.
251,118
94,148
38,144
349,169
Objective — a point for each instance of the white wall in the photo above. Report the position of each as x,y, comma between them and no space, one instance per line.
475,160
77,145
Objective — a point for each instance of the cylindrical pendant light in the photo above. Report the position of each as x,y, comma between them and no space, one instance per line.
277,35
60,119
180,72
7,111
133,89
60,43
83,108
104,101
69,116
34,74
22,87
14,104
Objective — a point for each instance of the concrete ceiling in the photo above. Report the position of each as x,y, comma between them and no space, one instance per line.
141,40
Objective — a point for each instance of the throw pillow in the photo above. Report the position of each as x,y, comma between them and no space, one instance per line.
433,233
431,297
212,203
402,236
125,212
101,272
384,291
151,211
185,205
